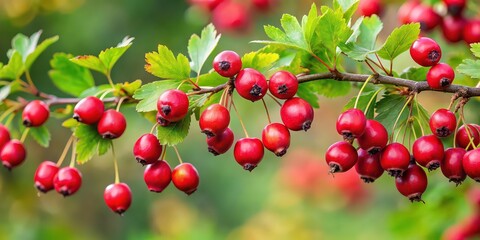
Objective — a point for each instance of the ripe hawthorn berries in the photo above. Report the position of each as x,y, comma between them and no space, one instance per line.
276,138
112,124
471,31
471,164
440,76
214,120
231,16
13,154
43,178
428,151
425,51
89,110
248,152
4,136
405,10
375,137
412,183
426,16
369,7
443,122
35,114
263,5
147,149
118,197
172,105
341,156
368,166
185,178
452,28
227,63
219,144
162,121
283,85
452,165
67,181
395,159
251,84
351,123
455,7
157,176
462,138
297,114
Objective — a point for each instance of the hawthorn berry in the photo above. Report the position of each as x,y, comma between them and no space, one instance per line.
440,76
405,10
341,156
471,164
147,149
276,138
251,84
297,114
368,166
283,85
375,137
426,16
185,178
369,7
263,5
471,31
443,122
395,159
214,120
112,124
231,16
428,151
157,176
425,51
43,178
206,4
452,28
118,197
351,123
455,7
89,110
162,121
4,136
462,138
13,154
67,181
452,165
219,144
172,105
412,183
248,152
35,114
227,63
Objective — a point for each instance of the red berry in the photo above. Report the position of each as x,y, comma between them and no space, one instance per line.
157,176
462,138
4,136
227,63
369,7
118,197
440,76
264,5
162,121
112,124
207,4
351,123
67,181
368,166
89,110
231,16
455,7
214,120
341,156
220,143
428,151
248,152
471,31
412,183
147,149
452,165
375,137
13,154
283,85
426,16
443,122
471,164
251,84
276,138
185,178
405,10
425,51
44,175
297,114
172,105
35,114
452,28
395,159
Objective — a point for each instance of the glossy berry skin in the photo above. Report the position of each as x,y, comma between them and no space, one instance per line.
185,178
351,123
214,120
231,16
471,31
276,138
162,121
442,122
118,197
428,151
375,137
440,76
172,105
251,84
147,149
283,85
455,7
452,28
221,143
369,7
471,164
67,181
426,16
405,10
462,140
425,51
452,165
395,159
248,152
4,136
157,176
13,154
35,114
227,63
341,156
89,110
112,124
297,114
368,166
43,178
412,183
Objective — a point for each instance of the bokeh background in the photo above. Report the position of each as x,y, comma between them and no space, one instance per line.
284,198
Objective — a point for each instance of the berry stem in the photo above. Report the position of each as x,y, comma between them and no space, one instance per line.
467,129
400,114
115,165
153,128
164,152
105,93
455,135
9,111
74,153
375,94
24,134
274,99
361,90
30,81
266,110
109,78
65,151
178,154
370,66
120,103
240,119
381,65
9,120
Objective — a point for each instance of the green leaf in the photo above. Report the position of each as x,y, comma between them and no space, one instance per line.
149,93
388,109
306,93
475,48
89,143
399,41
199,48
90,62
14,68
470,68
348,7
163,64
39,50
21,44
211,79
129,88
415,73
369,30
174,133
328,88
111,55
41,135
69,77
259,61
309,24
5,91
364,100
70,123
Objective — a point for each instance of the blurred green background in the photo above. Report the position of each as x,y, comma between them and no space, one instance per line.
288,198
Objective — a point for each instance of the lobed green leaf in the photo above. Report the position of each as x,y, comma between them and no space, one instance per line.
199,48
174,133
149,93
163,64
470,68
91,62
89,143
475,48
110,56
14,68
399,41
259,61
39,50
41,135
69,77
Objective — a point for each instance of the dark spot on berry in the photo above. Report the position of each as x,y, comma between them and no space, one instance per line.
434,165
120,211
27,123
374,150
433,56
191,191
224,65
65,192
477,180
162,121
76,117
443,132
334,168
256,91
445,82
347,136
306,125
155,191
456,180
454,9
282,89
395,172
416,197
7,166
208,133
423,26
40,188
249,167
367,179
141,161
109,135
215,153
281,152
166,109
